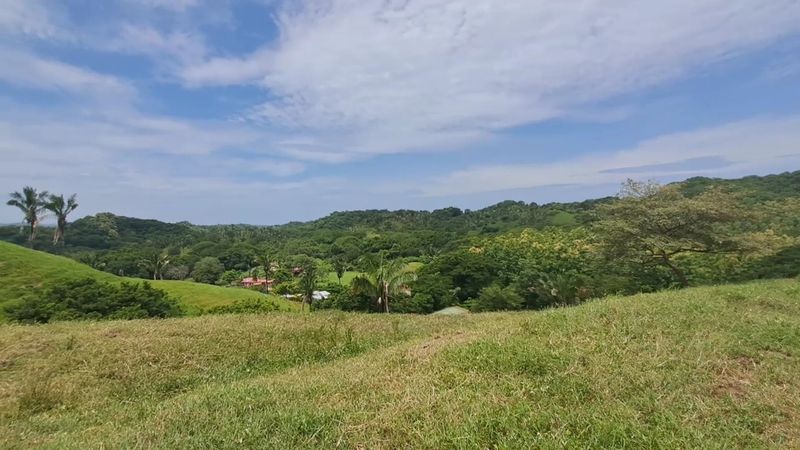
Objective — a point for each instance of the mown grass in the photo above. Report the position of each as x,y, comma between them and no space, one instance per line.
348,276
701,368
23,272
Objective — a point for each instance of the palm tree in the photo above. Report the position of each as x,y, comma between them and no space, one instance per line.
265,260
383,280
61,208
308,283
340,266
31,203
155,263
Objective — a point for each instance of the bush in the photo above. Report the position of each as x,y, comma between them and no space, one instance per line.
88,299
496,298
284,288
246,306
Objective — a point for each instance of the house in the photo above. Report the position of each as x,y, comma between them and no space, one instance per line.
255,282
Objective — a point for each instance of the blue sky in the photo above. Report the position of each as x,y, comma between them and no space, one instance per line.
266,111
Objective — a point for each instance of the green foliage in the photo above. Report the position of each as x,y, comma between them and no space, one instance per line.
496,298
61,208
247,306
25,273
653,224
208,270
463,272
89,299
598,245
31,203
383,281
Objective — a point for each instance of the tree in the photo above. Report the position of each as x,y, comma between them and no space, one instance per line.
340,266
653,224
31,203
307,283
208,270
173,272
61,208
155,264
264,259
383,280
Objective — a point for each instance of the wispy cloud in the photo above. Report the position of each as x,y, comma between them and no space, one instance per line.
174,48
752,146
25,69
27,17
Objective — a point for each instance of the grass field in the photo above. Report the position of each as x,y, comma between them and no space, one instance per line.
23,271
700,368
349,275
346,278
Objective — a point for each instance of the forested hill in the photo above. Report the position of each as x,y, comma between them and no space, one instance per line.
117,244
769,187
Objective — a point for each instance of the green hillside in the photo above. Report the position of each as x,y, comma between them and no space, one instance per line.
24,271
711,367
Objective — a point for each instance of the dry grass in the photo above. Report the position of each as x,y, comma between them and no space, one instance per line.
702,368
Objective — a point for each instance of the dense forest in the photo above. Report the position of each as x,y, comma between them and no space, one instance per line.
512,255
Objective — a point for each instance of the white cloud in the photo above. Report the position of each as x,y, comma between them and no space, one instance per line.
391,76
752,146
176,48
31,71
227,71
26,17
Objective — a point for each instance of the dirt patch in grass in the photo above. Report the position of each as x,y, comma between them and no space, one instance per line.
735,378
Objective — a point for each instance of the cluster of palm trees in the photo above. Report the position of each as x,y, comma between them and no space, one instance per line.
35,205
382,280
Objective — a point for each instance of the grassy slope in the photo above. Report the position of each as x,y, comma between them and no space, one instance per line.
701,368
22,270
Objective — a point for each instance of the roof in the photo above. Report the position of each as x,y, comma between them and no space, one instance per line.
452,311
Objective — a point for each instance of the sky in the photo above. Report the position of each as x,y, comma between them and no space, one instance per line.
269,111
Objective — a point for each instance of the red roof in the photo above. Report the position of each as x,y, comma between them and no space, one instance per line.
249,281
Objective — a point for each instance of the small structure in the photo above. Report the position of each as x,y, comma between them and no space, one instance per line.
451,311
256,282
320,295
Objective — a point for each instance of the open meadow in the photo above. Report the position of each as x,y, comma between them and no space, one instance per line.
712,367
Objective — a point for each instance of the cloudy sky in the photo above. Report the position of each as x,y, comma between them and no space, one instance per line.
266,111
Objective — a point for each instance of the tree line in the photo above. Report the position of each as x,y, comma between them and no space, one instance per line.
509,256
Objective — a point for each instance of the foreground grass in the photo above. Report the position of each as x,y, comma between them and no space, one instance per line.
24,271
701,368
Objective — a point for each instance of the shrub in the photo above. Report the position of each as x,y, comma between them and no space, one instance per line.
284,288
496,298
246,306
88,299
